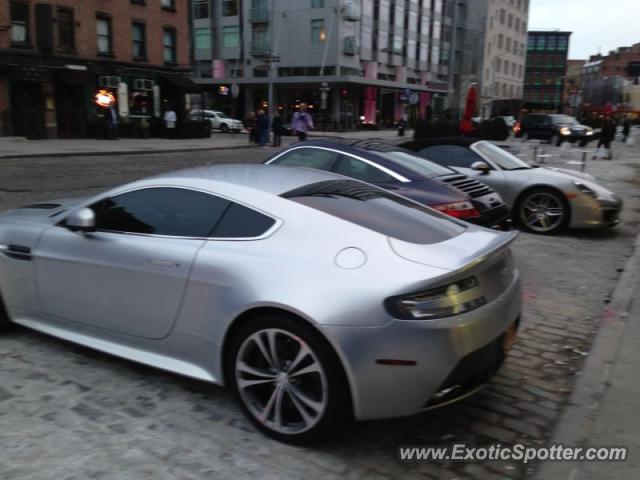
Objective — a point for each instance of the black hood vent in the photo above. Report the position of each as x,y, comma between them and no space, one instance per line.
468,185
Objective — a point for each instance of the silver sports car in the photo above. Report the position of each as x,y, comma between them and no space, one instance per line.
542,200
315,297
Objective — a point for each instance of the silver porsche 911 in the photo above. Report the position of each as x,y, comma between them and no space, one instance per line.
315,297
542,200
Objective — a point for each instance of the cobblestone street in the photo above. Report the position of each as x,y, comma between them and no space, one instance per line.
67,412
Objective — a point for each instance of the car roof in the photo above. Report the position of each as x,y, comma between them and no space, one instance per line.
274,179
370,149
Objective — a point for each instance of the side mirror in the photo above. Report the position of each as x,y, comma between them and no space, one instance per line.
83,220
481,167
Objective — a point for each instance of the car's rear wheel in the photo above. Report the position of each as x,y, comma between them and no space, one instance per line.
542,211
224,128
288,379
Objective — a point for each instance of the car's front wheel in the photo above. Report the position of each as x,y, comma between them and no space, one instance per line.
224,128
288,379
5,323
542,211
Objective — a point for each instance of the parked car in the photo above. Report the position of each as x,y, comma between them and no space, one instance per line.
219,120
554,128
401,172
542,200
314,297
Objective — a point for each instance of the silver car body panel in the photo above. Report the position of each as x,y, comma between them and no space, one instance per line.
170,302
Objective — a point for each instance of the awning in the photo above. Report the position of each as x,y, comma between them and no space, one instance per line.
182,83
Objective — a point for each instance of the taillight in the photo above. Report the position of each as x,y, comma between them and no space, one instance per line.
516,127
458,209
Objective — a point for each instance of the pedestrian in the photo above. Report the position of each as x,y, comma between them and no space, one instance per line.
302,122
402,125
170,120
262,127
607,134
626,129
112,123
276,127
250,123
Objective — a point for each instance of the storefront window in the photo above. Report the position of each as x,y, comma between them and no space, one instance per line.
202,38
169,41
19,23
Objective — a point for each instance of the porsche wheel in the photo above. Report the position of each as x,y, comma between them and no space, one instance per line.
542,211
288,380
5,323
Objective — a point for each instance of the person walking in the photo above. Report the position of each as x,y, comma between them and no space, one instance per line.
251,127
262,126
112,123
170,119
276,127
607,134
302,122
626,129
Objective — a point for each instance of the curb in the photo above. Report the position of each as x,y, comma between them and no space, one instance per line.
122,152
577,421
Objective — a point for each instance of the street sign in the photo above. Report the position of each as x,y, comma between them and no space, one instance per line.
414,98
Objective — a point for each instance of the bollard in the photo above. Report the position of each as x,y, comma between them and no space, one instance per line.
584,160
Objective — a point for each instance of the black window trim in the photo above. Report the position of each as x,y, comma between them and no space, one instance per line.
109,19
393,174
270,231
28,26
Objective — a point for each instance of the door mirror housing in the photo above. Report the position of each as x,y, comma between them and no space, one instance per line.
482,167
83,220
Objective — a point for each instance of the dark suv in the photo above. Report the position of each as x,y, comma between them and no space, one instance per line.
555,128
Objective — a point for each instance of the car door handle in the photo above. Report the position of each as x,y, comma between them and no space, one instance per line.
156,262
17,252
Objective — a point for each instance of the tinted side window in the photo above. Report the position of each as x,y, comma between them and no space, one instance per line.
451,155
161,211
308,157
242,222
354,168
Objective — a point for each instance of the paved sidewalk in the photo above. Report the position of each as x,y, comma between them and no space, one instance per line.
603,409
19,147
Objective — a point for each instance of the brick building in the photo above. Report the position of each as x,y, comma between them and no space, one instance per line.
572,95
545,70
55,57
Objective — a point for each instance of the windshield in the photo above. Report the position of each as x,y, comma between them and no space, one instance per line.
563,120
416,164
222,115
499,156
377,210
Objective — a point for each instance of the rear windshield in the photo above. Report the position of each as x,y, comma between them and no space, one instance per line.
416,164
377,210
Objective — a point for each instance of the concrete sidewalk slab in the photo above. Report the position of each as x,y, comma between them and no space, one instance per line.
603,408
19,147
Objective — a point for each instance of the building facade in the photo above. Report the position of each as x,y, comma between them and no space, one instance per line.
608,81
56,56
490,51
546,69
352,61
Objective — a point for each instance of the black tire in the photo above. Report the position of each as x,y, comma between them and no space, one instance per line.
224,128
583,143
5,323
520,216
555,140
336,398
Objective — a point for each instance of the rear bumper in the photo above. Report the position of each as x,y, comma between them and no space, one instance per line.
491,217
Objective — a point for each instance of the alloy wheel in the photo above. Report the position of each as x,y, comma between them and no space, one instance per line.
281,381
542,212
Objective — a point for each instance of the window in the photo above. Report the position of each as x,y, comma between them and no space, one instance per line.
318,34
510,21
161,211
540,43
169,43
308,157
202,38
139,36
354,168
242,222
563,43
317,3
507,46
451,155
551,42
201,9
231,36
377,210
503,13
19,24
500,40
168,4
66,29
229,8
103,31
